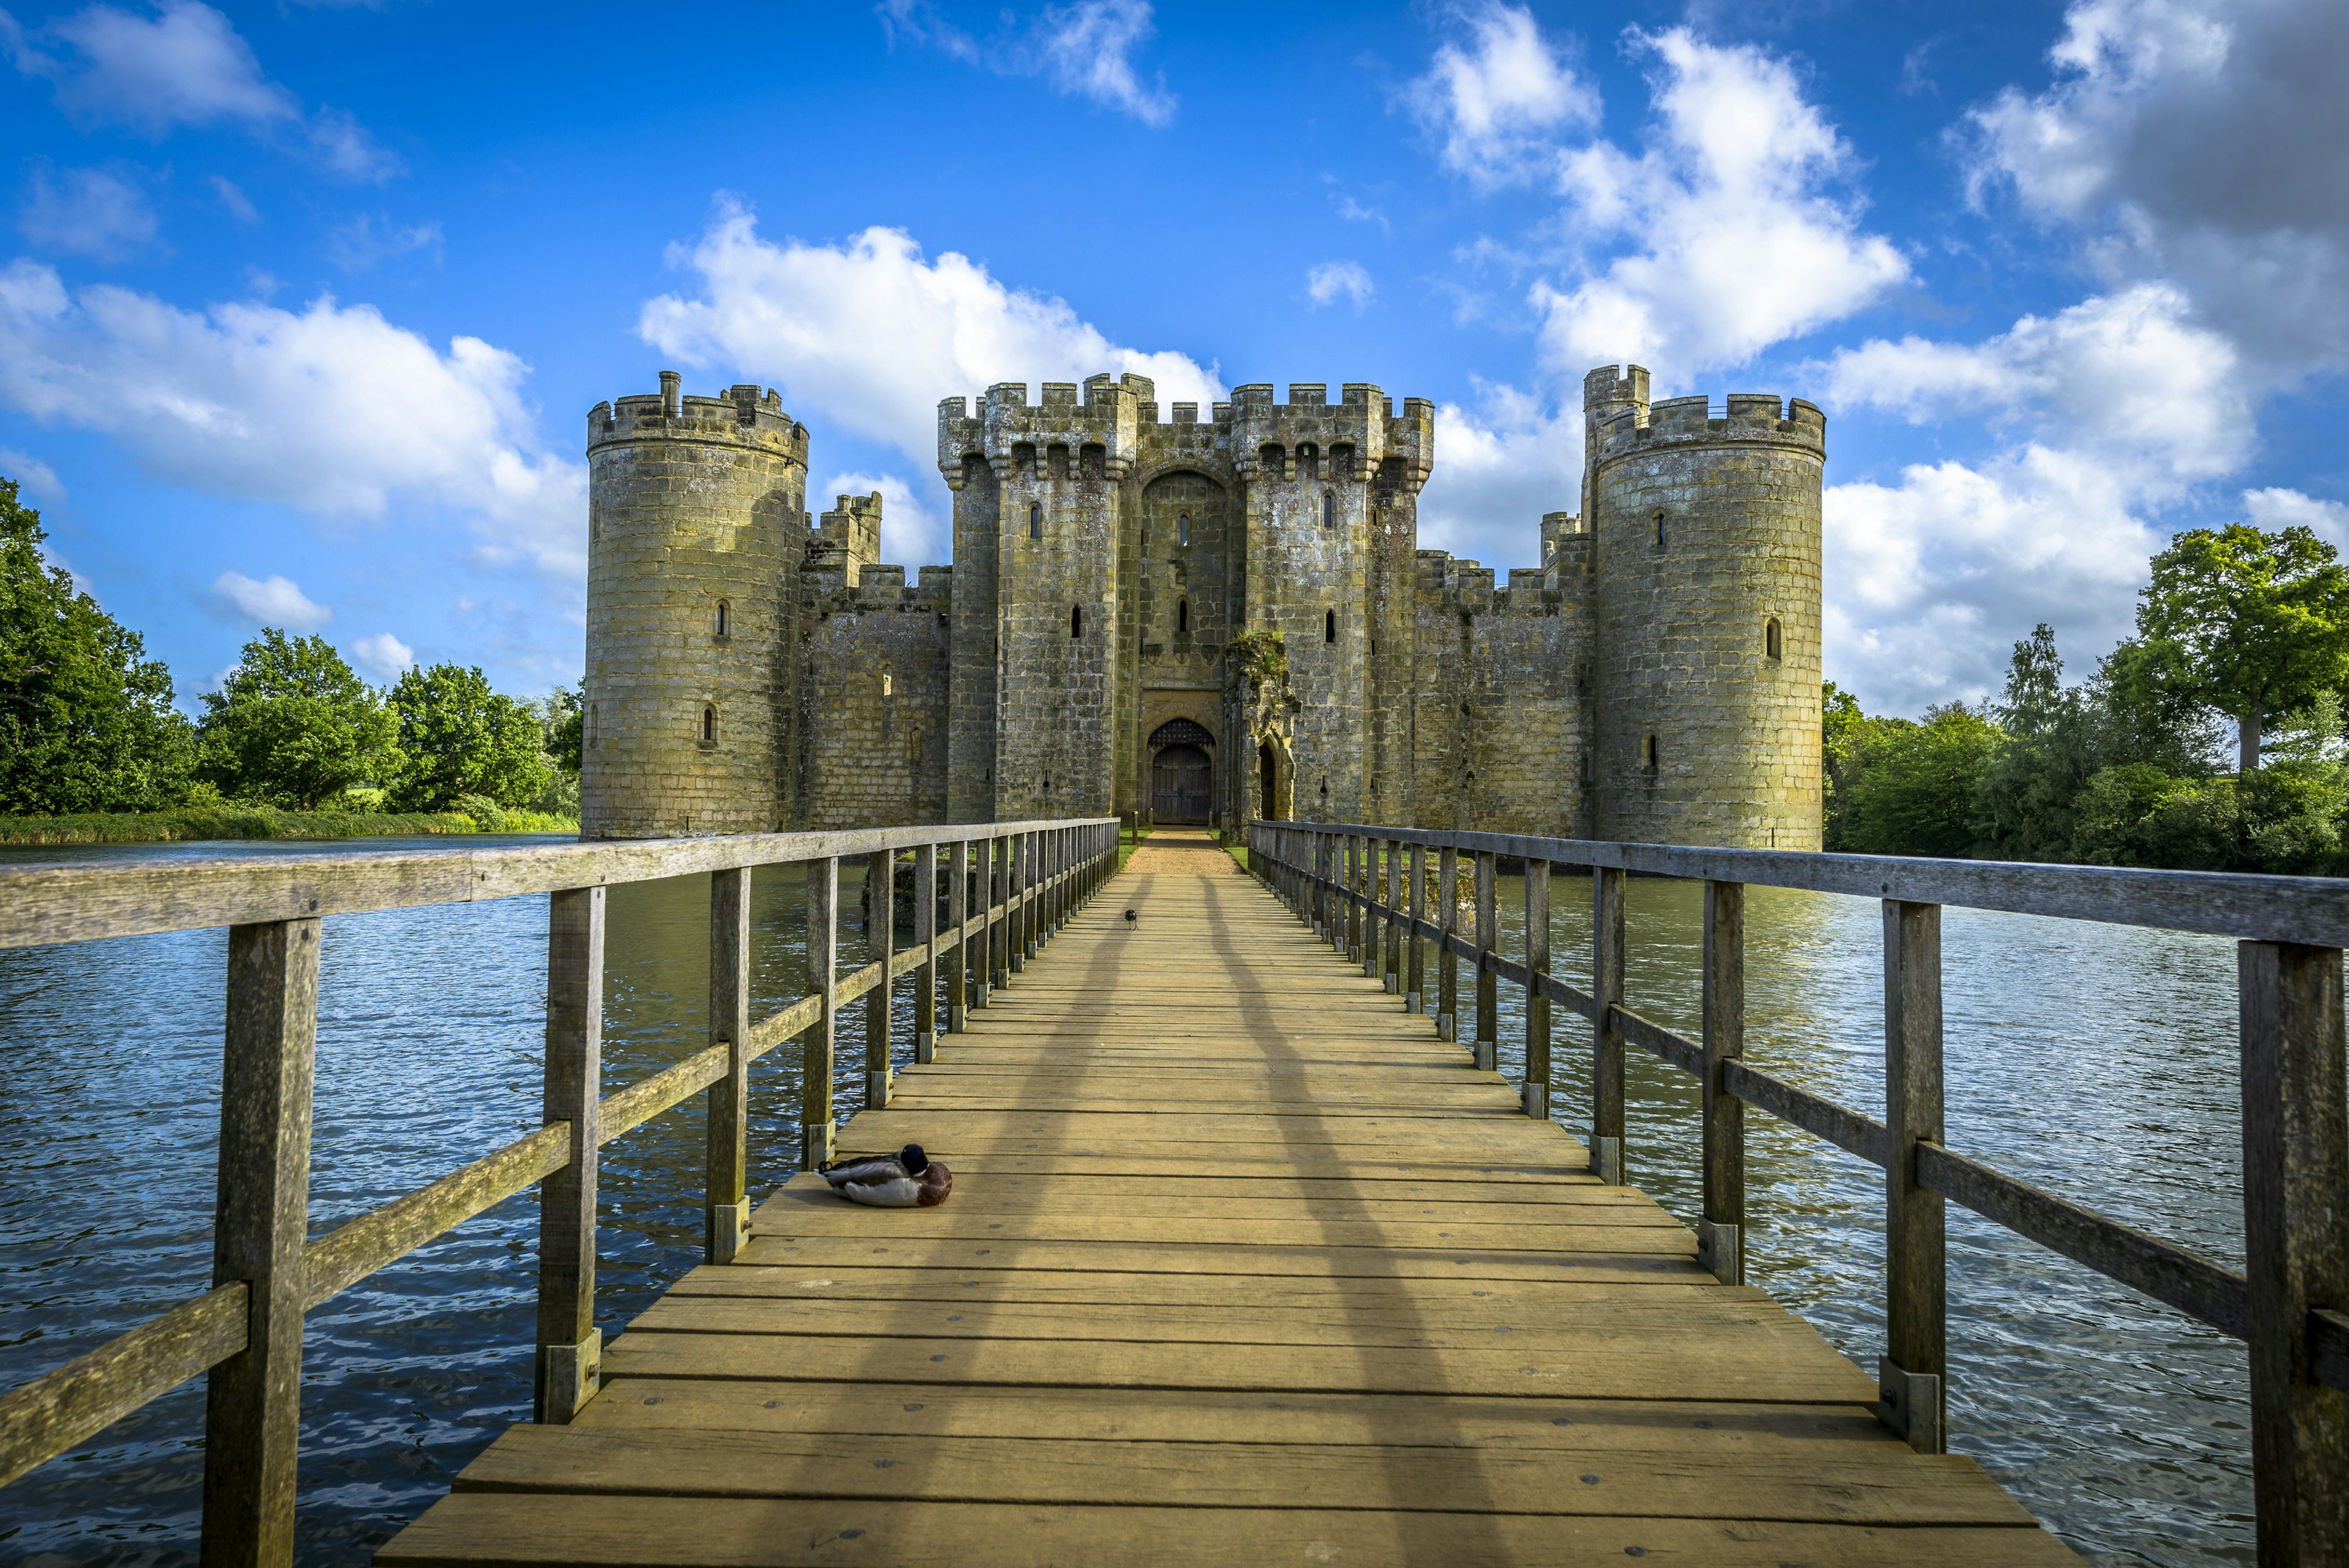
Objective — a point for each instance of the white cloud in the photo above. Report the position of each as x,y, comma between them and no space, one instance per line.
382,656
234,198
373,238
1499,102
871,334
2274,508
275,601
88,212
913,534
36,478
1736,242
333,409
1499,466
1085,49
2204,141
183,65
1331,280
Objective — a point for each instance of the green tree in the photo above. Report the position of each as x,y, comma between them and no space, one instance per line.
1841,723
86,718
458,738
2251,624
562,717
292,726
1911,788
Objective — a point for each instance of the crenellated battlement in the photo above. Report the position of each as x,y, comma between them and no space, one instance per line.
1620,427
1308,437
877,589
742,415
847,538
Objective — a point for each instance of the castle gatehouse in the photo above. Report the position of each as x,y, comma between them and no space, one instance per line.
1206,619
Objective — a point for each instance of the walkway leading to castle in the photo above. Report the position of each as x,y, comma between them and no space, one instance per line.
1241,1266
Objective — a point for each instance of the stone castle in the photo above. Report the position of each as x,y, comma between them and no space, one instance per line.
1207,620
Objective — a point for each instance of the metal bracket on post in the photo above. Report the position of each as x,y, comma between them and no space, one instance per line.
925,1049
1535,1100
1488,1055
1607,1159
876,1089
573,1374
1720,1251
1390,982
1443,1027
729,1224
1911,1404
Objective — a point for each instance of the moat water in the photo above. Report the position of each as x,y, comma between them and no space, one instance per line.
2096,1061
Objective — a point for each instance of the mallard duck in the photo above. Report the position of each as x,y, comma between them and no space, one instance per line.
906,1179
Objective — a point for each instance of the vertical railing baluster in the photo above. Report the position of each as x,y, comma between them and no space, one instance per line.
816,1044
1447,963
1607,1046
726,1213
958,952
1390,961
1912,1395
1535,1097
880,945
1721,1229
253,1405
2296,1243
1488,988
998,934
925,933
1415,998
570,1349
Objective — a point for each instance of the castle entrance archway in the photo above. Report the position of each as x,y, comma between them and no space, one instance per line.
1181,773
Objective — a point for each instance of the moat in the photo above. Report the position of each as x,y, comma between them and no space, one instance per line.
2098,1061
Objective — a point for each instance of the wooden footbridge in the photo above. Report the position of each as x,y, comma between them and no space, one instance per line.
1245,1261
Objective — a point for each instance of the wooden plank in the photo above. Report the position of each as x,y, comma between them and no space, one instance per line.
1721,1128
1442,1295
816,1045
568,1355
1464,1259
350,1253
727,1149
1916,1333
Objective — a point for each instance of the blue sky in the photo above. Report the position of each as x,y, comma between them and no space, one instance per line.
301,308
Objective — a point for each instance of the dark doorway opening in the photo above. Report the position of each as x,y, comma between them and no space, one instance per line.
1181,773
1268,768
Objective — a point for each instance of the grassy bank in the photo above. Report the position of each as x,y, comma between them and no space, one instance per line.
265,822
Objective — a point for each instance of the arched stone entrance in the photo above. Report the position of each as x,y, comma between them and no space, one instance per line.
1181,773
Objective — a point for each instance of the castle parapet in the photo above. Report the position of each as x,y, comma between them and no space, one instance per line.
744,415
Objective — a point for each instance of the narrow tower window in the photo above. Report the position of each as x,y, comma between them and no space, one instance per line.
1648,751
1183,531
1183,616
1076,621
1328,626
1772,646
1329,510
1659,528
1035,520
725,620
887,686
709,725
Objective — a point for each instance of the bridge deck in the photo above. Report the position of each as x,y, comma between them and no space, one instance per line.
1241,1265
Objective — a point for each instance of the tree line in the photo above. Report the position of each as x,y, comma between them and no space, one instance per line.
2240,654
87,721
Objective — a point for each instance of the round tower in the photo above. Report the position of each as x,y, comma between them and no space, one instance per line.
1707,554
697,523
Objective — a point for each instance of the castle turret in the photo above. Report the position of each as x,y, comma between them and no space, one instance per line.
1706,538
696,526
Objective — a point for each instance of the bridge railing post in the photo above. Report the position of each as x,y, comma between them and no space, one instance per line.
252,1406
1489,990
925,933
999,937
1912,1394
1607,1046
1721,1229
1447,963
816,1043
1536,1090
880,943
1414,981
726,1212
2296,1243
958,950
1357,932
570,1350
1390,959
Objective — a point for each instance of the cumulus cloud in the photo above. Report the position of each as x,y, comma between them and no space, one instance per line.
273,601
1333,281
2205,141
36,478
871,334
1500,463
2276,508
331,409
1737,238
185,63
92,212
913,534
1498,96
1085,49
383,656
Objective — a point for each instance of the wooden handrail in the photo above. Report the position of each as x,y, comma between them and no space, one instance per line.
2289,932
275,905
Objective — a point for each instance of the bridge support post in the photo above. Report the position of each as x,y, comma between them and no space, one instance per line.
1414,981
999,915
880,943
570,1350
1447,963
926,931
1357,880
1913,1396
2296,1244
816,1044
1488,984
1390,959
1607,1046
726,1213
253,1401
958,952
1536,1089
1015,914
1721,1232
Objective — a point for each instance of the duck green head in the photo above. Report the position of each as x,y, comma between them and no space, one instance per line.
911,1158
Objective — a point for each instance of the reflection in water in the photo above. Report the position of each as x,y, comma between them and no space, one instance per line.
2096,1061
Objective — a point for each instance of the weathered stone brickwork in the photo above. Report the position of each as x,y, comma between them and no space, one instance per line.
1127,578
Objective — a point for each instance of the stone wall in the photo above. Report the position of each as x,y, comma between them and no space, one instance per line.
873,698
